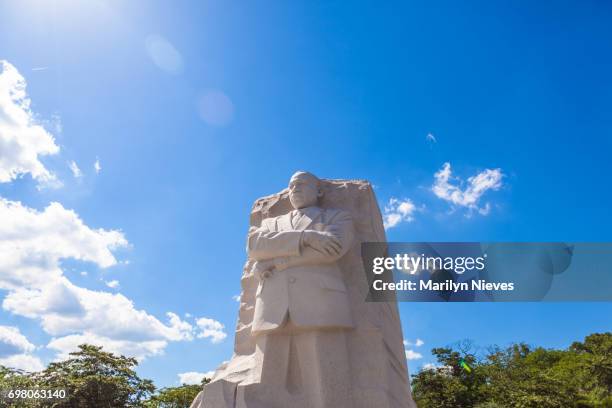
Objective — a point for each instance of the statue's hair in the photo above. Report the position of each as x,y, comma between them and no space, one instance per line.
306,173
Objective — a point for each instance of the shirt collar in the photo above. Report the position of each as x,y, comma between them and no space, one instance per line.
311,212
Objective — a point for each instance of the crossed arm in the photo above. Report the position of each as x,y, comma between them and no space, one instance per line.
276,251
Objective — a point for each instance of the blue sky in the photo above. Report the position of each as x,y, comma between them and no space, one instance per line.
195,109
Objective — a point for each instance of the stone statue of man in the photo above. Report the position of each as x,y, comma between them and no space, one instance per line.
302,309
306,337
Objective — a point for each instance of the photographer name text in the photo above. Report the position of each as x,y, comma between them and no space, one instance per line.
448,285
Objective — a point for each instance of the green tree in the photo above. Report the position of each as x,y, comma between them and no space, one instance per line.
450,385
95,378
594,357
520,376
11,379
176,397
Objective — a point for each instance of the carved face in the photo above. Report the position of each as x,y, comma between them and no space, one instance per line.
303,190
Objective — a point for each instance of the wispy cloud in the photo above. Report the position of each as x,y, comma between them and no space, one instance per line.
97,166
466,194
74,168
112,284
413,355
431,139
397,211
417,343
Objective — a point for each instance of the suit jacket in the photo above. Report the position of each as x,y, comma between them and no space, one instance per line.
306,283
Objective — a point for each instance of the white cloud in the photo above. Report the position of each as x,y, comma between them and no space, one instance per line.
236,298
137,349
16,349
13,342
417,343
211,328
112,284
397,211
194,377
97,166
76,172
33,244
413,355
64,309
26,362
137,343
22,140
431,138
83,273
183,330
469,197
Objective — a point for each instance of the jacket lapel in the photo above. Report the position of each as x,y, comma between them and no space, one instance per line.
307,217
284,222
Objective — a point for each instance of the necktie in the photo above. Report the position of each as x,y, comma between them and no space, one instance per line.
297,217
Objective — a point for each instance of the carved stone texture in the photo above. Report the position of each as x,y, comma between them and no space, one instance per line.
313,341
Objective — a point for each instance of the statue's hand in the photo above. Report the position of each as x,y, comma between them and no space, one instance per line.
322,242
263,269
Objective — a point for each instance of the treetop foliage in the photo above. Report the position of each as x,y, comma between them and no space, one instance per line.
519,376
